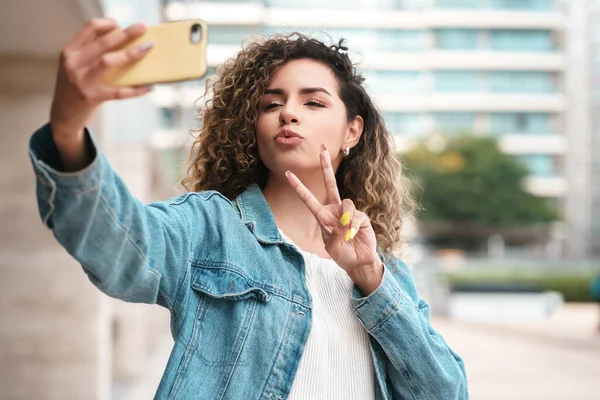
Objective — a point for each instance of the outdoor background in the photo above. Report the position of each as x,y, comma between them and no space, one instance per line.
495,110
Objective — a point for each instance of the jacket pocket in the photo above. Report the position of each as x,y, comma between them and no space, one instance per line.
227,284
227,303
229,306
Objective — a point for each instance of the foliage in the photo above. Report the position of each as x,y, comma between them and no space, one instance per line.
469,179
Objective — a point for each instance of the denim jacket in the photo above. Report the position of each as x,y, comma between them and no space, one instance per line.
240,308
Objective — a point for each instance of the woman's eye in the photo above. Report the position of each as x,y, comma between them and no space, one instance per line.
315,103
271,106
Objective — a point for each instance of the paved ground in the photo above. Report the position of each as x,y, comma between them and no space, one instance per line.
556,359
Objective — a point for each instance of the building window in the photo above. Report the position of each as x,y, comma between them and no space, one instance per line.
404,124
229,34
522,82
520,123
166,118
456,39
339,4
465,4
393,82
532,5
363,39
535,5
521,40
540,165
457,81
454,122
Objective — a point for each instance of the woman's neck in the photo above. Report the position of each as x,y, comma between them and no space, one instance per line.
291,214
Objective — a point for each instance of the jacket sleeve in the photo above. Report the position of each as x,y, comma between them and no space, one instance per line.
129,250
420,363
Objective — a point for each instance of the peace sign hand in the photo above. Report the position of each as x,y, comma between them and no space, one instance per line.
347,232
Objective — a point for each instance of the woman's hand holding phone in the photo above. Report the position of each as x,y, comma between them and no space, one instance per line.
80,89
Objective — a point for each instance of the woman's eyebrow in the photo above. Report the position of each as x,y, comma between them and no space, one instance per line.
308,90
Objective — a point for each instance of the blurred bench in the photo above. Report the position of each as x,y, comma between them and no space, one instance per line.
501,302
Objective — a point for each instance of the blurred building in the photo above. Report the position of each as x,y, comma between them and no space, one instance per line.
582,90
593,15
492,67
54,325
60,337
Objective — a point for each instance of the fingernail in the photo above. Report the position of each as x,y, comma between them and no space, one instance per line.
347,235
145,46
352,233
287,173
138,26
345,218
323,148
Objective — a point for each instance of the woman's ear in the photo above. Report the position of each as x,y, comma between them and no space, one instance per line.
354,132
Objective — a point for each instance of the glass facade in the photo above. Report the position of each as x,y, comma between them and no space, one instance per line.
459,4
457,81
540,165
521,123
401,40
346,4
530,5
456,39
166,118
229,34
358,39
390,82
524,5
494,81
454,122
521,40
522,82
404,124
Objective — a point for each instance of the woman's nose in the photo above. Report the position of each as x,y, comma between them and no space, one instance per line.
289,115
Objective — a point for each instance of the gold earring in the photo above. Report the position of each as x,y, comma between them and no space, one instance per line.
346,151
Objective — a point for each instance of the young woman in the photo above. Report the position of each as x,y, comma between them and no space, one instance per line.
278,265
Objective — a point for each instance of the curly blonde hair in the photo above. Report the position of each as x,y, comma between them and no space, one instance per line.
224,156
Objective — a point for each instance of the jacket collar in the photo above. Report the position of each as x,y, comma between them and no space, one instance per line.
257,215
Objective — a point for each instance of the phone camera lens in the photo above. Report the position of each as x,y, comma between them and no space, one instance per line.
196,34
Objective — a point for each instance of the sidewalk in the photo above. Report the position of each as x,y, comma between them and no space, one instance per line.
556,359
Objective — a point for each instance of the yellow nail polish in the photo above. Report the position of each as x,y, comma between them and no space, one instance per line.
345,218
352,233
347,235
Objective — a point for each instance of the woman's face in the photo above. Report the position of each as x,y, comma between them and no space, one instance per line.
300,110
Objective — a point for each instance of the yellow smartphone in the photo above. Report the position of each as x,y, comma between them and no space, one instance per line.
178,54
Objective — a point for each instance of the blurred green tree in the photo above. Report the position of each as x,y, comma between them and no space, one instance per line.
469,180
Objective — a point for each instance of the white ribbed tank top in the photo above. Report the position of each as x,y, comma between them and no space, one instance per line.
336,362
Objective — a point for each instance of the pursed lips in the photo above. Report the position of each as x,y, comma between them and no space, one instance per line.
288,133
288,137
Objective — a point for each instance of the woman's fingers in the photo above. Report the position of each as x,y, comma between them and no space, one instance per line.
117,59
114,39
305,195
352,220
94,28
333,195
348,216
360,221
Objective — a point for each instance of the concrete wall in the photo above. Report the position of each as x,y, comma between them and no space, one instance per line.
54,325
578,128
60,338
